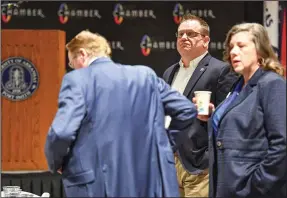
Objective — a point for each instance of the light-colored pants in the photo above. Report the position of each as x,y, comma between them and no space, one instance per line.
191,185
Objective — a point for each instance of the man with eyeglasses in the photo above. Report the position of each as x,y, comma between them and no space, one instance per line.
197,70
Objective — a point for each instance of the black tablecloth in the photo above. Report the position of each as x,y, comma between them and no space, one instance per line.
36,183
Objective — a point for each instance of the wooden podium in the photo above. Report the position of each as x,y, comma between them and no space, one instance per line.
25,123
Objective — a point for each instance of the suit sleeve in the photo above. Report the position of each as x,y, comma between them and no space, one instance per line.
224,83
272,170
178,107
63,131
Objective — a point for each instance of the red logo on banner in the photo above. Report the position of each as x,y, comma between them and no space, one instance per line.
120,13
6,18
177,13
61,13
6,13
10,10
65,13
145,45
117,14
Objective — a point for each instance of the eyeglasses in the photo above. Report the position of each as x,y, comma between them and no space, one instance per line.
189,34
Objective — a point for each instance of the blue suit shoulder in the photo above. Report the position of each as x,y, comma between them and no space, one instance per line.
137,67
271,84
270,77
75,75
144,69
78,78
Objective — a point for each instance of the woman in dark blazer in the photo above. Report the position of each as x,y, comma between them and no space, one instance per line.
247,131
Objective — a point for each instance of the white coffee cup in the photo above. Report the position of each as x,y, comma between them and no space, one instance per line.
202,102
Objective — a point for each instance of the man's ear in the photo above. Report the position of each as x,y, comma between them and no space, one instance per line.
206,40
83,52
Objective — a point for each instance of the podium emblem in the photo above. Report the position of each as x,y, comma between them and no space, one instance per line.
20,78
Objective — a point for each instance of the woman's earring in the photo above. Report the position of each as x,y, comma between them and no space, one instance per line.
261,61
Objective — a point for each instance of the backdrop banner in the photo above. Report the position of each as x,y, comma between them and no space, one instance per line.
139,32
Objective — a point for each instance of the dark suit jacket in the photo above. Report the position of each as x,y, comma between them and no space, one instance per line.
248,155
210,75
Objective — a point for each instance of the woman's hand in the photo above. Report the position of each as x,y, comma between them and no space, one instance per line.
204,117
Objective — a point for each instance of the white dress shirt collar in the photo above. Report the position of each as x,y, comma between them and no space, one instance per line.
92,60
193,64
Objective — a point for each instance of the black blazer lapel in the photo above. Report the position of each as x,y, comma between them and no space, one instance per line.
171,75
199,70
244,92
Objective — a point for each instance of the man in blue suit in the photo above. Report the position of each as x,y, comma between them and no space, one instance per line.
108,136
